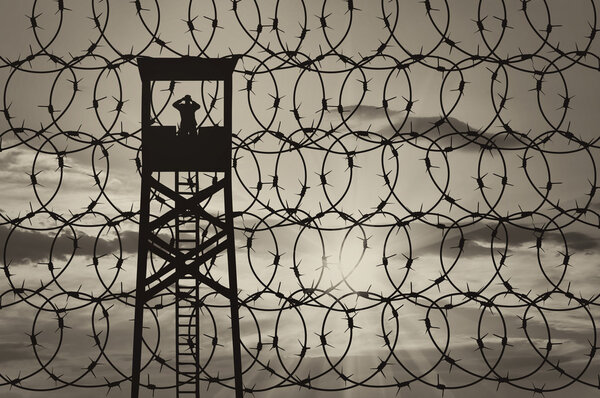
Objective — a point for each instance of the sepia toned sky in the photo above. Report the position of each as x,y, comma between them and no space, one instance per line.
352,254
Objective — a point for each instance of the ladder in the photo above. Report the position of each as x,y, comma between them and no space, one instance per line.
187,314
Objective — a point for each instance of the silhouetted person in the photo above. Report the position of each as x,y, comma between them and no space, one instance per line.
187,107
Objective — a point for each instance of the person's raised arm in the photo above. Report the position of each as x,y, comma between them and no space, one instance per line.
177,103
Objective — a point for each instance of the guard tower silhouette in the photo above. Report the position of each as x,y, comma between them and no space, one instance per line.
166,151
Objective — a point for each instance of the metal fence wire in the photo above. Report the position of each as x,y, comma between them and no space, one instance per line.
414,191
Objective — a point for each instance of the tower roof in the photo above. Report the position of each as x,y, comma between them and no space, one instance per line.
186,68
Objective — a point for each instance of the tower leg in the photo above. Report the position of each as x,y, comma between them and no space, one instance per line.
140,300
234,304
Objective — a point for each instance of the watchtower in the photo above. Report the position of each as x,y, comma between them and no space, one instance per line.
166,151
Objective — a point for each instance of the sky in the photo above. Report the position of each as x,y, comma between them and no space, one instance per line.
503,233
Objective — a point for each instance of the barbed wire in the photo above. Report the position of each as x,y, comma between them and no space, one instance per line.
306,166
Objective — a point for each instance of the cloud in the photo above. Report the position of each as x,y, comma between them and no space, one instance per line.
13,352
579,241
478,241
433,127
34,246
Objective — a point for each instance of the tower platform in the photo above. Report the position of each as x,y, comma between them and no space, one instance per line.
165,150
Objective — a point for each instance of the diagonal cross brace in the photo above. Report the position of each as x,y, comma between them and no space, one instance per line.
170,254
181,269
191,204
